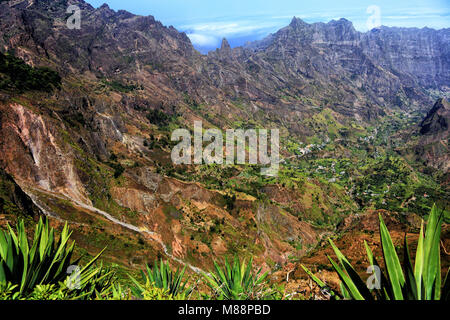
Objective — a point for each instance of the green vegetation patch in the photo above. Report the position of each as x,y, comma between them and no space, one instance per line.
15,74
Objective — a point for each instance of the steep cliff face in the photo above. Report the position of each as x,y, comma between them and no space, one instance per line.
95,47
33,151
416,56
436,123
129,51
386,66
433,146
13,200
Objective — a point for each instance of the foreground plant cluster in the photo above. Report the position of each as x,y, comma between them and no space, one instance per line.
39,271
45,270
421,282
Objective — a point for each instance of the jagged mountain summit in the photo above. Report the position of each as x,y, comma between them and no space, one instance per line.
398,62
328,61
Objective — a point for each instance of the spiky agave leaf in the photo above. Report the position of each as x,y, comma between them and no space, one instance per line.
410,288
432,258
45,262
163,277
359,287
385,292
322,285
236,281
423,282
392,262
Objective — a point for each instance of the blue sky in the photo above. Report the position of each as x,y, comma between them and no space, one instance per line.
206,22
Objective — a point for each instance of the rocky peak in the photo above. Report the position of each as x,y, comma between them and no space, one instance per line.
224,52
105,11
297,22
333,32
225,48
337,31
109,42
225,45
343,23
104,7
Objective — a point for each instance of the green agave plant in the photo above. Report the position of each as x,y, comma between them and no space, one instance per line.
153,293
119,293
45,261
97,283
237,281
163,277
421,282
8,291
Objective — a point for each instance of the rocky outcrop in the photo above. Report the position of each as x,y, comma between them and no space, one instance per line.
13,200
437,121
433,146
33,151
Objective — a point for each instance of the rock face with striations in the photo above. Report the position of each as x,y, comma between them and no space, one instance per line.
351,72
416,56
386,66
